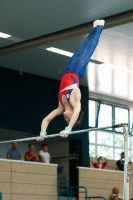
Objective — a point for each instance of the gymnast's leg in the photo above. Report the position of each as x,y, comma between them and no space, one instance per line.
78,63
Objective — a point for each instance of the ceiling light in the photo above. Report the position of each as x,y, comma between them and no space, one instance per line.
3,35
59,51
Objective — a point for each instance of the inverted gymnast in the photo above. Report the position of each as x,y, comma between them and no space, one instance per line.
69,93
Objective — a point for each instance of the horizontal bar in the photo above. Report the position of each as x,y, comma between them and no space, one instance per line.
71,133
110,22
96,197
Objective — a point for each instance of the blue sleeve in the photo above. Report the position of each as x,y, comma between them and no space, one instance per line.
8,153
20,155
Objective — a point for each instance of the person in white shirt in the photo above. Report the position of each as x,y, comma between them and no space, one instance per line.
116,195
44,156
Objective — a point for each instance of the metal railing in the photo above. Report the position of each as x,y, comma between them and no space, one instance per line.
67,186
77,192
0,195
96,197
86,193
70,191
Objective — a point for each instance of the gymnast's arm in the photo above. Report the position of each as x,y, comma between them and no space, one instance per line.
77,108
51,116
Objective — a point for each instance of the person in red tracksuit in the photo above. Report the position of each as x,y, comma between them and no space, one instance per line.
101,163
31,155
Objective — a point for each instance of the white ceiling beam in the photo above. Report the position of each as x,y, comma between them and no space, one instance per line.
111,21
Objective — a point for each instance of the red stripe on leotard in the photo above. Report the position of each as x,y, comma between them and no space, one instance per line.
68,79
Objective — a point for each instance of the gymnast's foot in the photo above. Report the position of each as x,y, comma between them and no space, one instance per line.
95,23
101,22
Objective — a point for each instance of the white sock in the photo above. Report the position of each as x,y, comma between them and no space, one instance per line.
95,23
101,22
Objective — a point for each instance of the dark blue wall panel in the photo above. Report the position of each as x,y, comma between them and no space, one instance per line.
25,100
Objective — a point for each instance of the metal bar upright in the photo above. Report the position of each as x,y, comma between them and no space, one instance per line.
126,167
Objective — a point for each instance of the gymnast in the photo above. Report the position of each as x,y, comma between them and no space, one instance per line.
69,93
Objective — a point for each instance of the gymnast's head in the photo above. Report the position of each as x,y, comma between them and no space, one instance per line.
68,114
